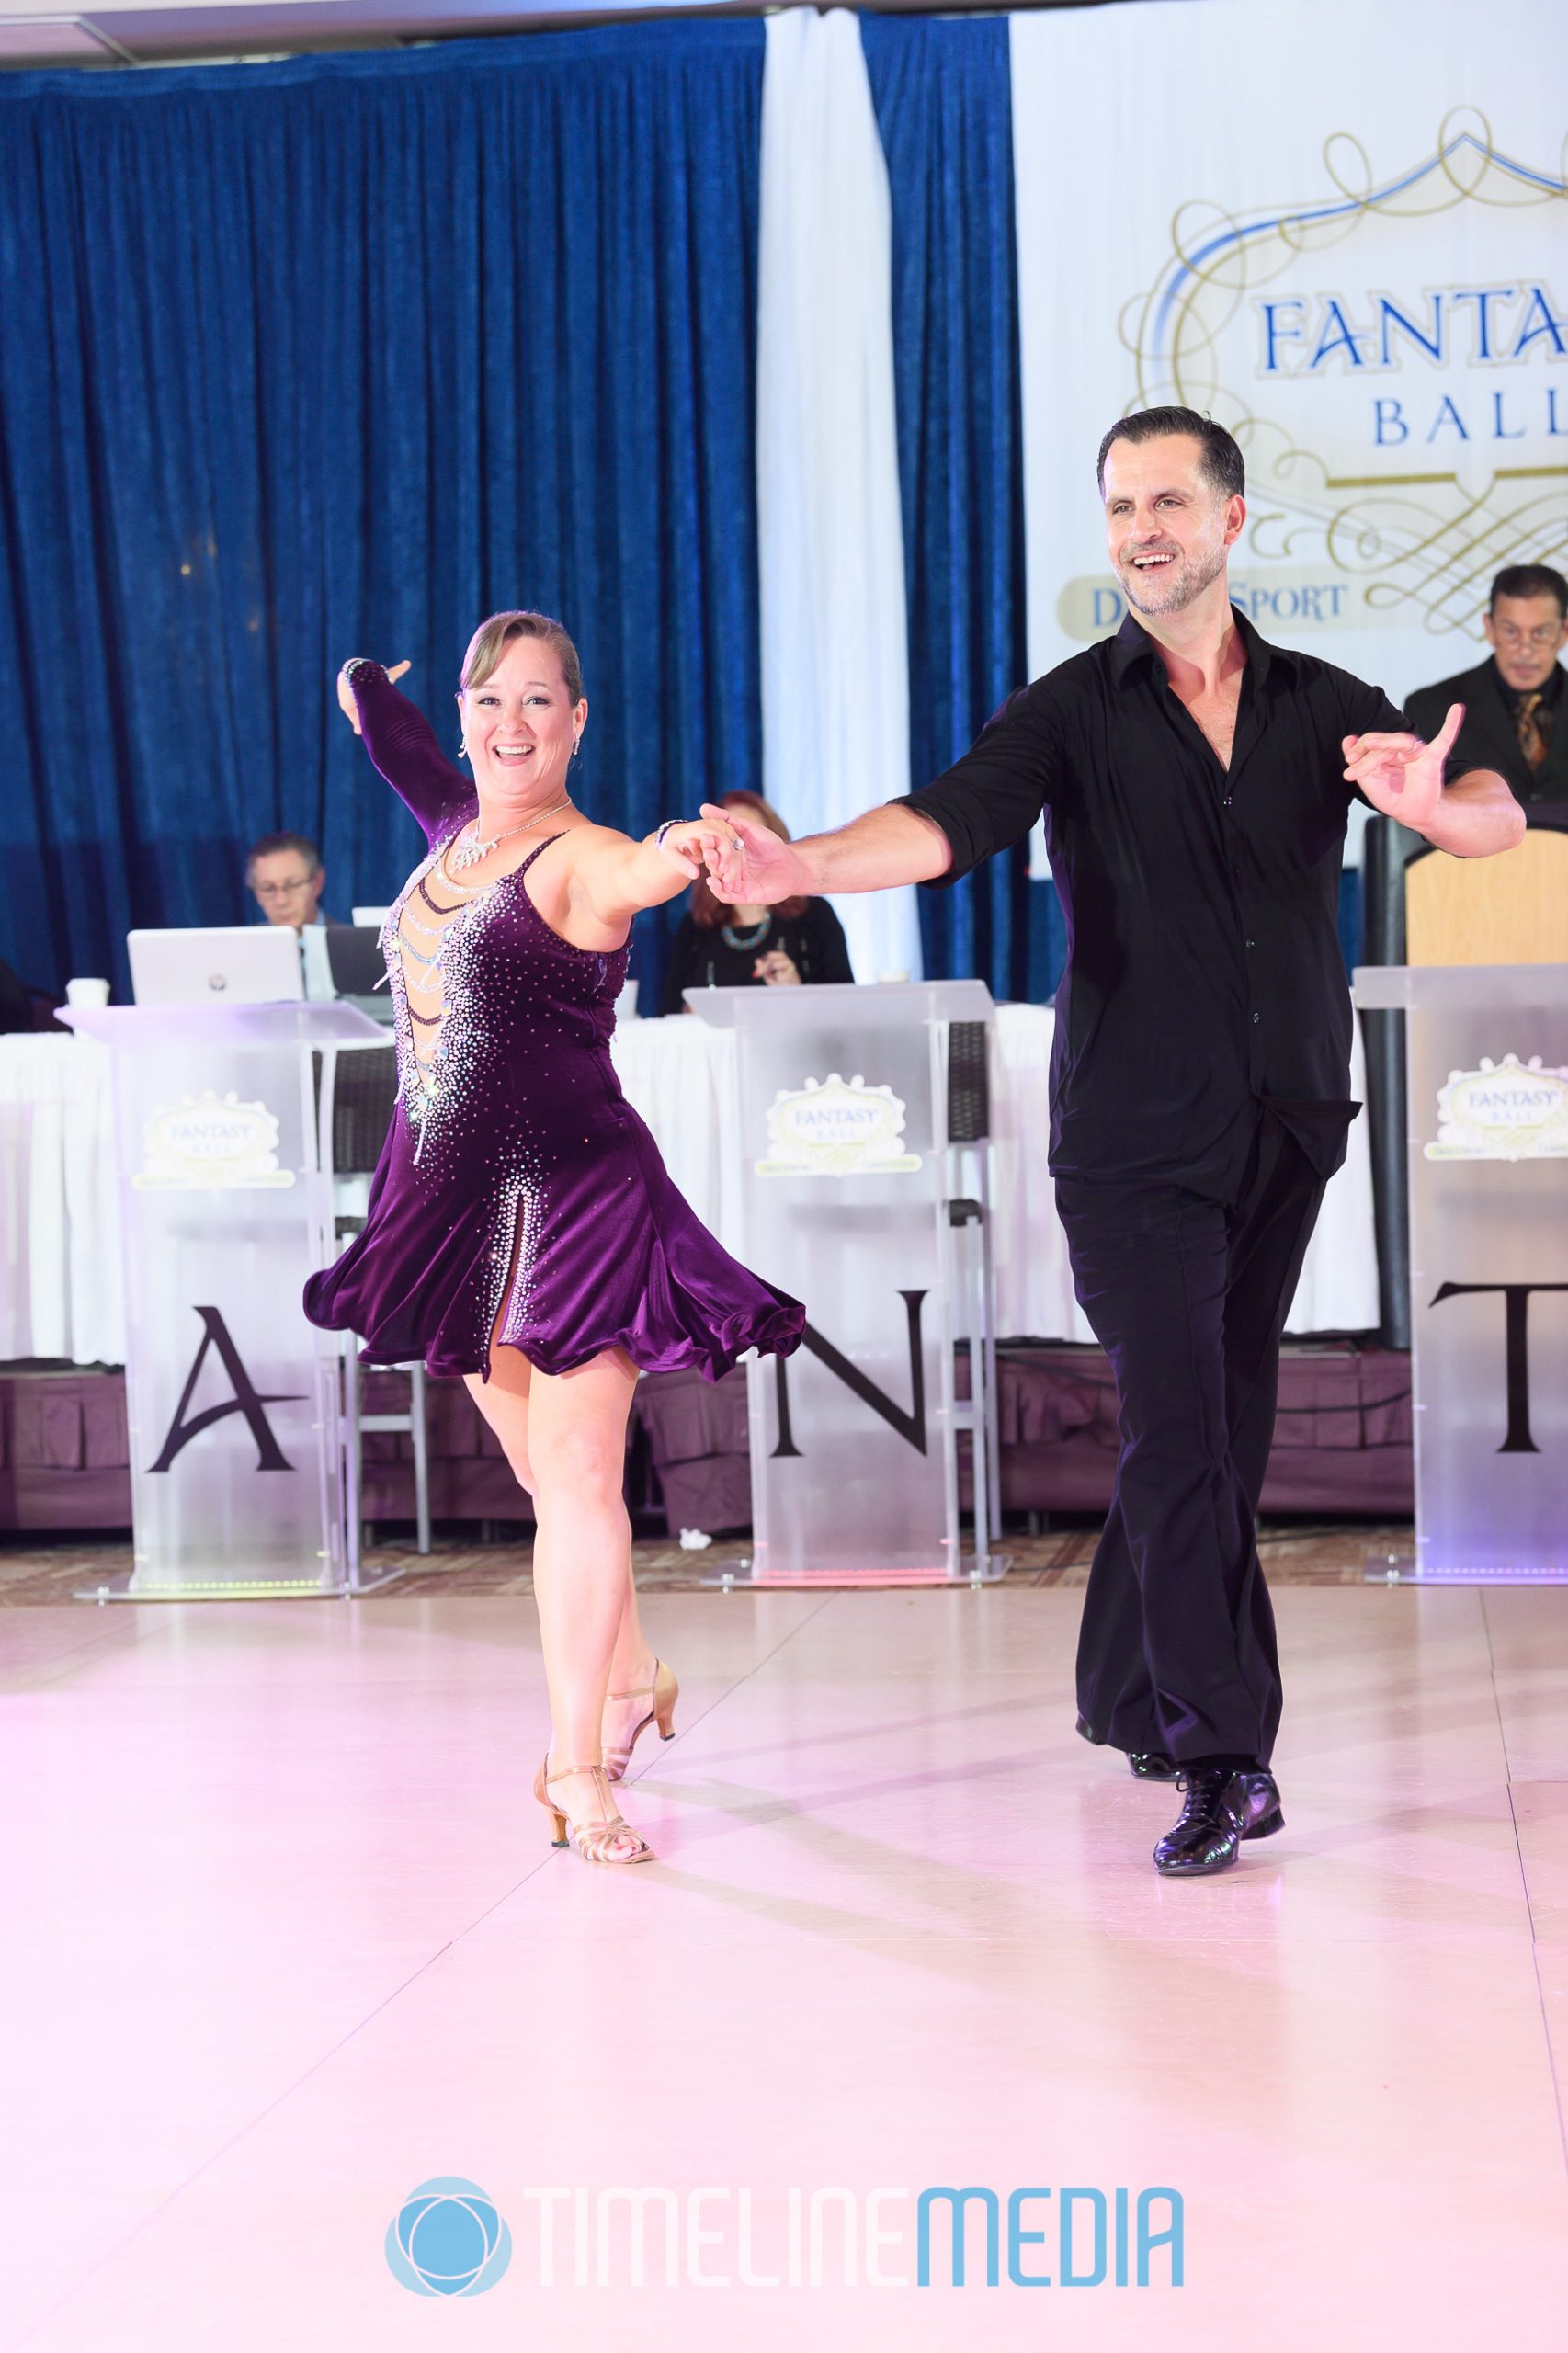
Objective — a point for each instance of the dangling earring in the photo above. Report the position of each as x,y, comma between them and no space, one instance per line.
462,750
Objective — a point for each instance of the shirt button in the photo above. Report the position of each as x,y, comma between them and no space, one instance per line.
1252,943
1256,1018
1229,798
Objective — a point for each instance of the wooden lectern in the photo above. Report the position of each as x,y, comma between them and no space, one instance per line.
1508,910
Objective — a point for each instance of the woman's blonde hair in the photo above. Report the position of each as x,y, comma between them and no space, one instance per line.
491,638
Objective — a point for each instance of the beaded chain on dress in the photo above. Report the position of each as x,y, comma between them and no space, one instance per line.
429,1042
440,1051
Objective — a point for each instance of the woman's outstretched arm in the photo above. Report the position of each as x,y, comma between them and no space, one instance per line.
614,878
402,744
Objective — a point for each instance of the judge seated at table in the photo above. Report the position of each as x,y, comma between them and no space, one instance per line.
1513,716
798,941
285,874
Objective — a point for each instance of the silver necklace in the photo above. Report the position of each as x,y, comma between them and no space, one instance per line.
473,851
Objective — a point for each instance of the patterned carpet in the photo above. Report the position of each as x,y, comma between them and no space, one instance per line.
40,1570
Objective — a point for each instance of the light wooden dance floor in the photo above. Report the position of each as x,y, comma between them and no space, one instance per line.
285,1939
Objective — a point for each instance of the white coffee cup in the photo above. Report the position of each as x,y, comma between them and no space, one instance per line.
87,993
894,977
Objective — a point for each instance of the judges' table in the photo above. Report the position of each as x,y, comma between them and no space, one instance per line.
60,1293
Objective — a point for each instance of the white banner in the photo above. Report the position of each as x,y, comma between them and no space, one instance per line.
830,528
1342,230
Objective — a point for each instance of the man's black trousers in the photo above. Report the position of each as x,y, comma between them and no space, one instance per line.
1188,1298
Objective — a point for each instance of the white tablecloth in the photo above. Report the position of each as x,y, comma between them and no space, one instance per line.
1338,1289
61,1292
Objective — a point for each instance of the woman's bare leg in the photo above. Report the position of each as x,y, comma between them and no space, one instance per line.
564,1437
630,1669
578,1429
503,1402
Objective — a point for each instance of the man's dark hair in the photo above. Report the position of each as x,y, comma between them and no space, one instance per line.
1221,464
1530,580
270,843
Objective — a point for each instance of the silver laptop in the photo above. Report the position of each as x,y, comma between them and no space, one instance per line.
249,964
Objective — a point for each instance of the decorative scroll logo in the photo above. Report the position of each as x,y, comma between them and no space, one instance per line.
836,1128
1406,429
1506,1110
207,1144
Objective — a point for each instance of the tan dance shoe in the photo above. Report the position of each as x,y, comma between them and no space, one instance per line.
610,1840
664,1691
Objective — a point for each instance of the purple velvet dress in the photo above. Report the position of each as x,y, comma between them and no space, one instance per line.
515,1180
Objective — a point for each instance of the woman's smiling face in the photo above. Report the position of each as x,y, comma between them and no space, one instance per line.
521,727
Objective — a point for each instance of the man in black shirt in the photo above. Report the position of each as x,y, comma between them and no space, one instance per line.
1196,784
1513,719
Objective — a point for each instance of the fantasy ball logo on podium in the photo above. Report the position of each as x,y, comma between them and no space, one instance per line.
208,1143
446,2239
837,1128
1506,1110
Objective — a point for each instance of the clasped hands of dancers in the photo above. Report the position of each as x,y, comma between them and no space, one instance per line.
522,1231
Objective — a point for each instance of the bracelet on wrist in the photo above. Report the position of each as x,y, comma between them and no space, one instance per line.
668,827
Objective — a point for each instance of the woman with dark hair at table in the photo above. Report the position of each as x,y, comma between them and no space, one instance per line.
522,1231
730,948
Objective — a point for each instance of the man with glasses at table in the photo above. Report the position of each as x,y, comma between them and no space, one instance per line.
1513,716
286,873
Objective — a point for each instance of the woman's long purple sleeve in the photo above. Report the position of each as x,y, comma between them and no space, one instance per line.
402,744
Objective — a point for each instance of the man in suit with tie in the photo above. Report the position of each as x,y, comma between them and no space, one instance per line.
1515,719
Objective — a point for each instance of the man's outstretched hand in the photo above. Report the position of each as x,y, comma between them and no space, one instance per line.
1399,774
755,869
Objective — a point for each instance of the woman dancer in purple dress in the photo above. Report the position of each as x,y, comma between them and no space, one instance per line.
522,1230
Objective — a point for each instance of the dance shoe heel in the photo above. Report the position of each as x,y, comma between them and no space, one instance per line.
558,1820
664,1691
598,1842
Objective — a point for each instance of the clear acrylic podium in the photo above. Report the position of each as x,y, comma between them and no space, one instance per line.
1486,1059
234,1401
862,1142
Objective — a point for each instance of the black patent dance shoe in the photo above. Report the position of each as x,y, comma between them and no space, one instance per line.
1223,1808
1144,1764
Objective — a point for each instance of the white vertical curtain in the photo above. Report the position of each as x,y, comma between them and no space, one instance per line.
835,648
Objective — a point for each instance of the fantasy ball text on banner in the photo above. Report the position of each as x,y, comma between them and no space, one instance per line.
1363,272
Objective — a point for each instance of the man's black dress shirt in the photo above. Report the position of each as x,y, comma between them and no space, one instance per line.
1204,977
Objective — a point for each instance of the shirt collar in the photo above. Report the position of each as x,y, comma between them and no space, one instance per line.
1132,645
1551,694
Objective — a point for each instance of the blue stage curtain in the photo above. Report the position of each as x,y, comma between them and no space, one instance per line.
942,92
335,357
